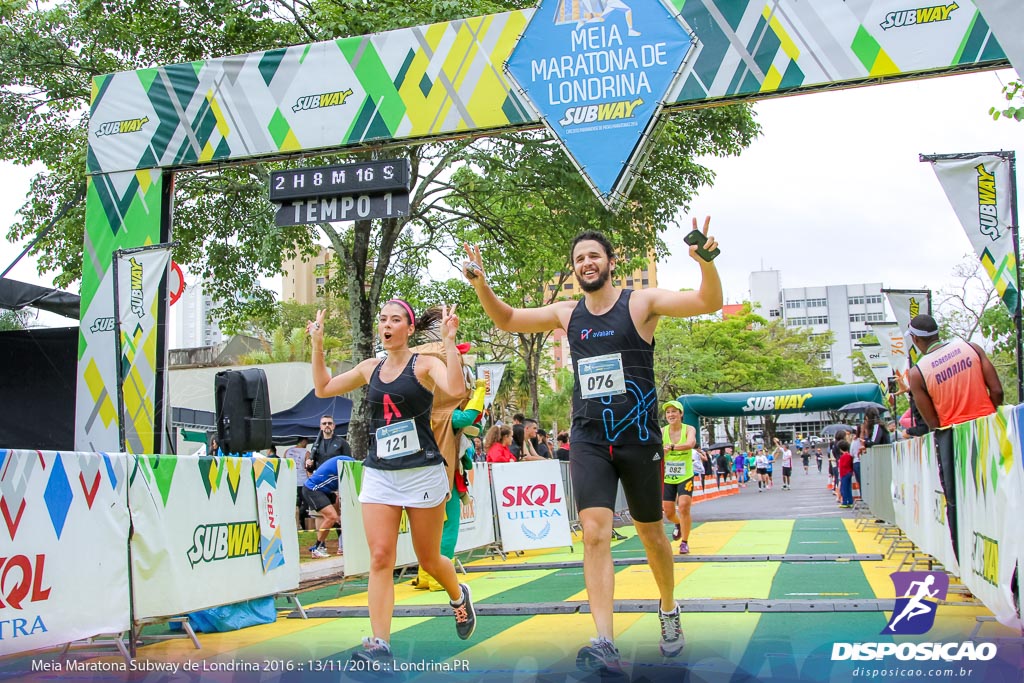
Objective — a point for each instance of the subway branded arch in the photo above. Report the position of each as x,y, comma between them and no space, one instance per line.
775,402
424,83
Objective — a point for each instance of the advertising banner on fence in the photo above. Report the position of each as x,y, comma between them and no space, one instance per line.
138,276
63,548
918,500
988,516
197,541
980,191
270,504
531,505
475,530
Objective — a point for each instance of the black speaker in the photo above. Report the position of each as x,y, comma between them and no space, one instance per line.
243,410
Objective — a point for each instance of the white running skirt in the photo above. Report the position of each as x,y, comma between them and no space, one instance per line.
419,487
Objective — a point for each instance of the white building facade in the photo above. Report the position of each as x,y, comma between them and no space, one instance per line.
843,310
192,326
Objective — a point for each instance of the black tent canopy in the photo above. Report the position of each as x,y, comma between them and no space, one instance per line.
303,418
15,295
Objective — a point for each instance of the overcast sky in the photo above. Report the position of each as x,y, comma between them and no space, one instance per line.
831,193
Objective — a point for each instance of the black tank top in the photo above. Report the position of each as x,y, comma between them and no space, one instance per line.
400,419
614,366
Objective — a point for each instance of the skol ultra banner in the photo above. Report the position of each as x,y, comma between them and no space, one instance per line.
63,547
197,541
138,275
531,505
979,188
988,507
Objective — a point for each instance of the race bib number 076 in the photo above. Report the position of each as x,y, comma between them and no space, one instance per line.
602,376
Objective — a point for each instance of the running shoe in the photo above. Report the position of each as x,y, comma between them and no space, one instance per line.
319,552
677,533
672,638
465,615
684,548
375,658
600,655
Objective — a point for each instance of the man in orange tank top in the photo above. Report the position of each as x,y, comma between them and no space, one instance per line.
953,382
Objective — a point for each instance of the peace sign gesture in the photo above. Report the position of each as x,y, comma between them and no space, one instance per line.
449,322
710,245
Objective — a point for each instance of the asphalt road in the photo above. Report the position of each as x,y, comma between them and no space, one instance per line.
809,497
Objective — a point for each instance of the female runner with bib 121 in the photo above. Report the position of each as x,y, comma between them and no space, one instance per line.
403,468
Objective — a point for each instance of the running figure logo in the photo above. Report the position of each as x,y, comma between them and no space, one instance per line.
916,602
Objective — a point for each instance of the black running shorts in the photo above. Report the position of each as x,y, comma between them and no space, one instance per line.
597,470
317,500
673,491
787,471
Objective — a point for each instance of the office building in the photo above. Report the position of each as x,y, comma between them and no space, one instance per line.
305,277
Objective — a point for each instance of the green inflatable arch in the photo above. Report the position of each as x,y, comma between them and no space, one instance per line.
775,402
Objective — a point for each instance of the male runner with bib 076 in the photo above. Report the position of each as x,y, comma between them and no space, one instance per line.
615,432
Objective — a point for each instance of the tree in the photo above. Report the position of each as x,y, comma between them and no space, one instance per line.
13,320
1012,90
744,352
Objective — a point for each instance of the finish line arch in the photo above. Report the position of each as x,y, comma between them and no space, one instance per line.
744,404
407,86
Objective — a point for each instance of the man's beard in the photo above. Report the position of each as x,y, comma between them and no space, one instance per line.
590,287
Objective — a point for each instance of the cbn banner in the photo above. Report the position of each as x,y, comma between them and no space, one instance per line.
531,505
988,509
198,542
918,500
878,361
980,189
64,555
475,530
137,277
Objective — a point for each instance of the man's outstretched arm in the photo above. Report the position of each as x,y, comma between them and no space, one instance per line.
525,320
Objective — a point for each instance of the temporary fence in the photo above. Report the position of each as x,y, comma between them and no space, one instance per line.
989,475
205,531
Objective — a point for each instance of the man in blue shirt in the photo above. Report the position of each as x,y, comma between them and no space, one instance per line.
321,494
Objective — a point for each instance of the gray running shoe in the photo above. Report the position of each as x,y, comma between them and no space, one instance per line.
465,615
672,638
600,655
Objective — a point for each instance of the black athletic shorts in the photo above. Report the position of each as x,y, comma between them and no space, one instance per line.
787,471
673,491
317,500
597,470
